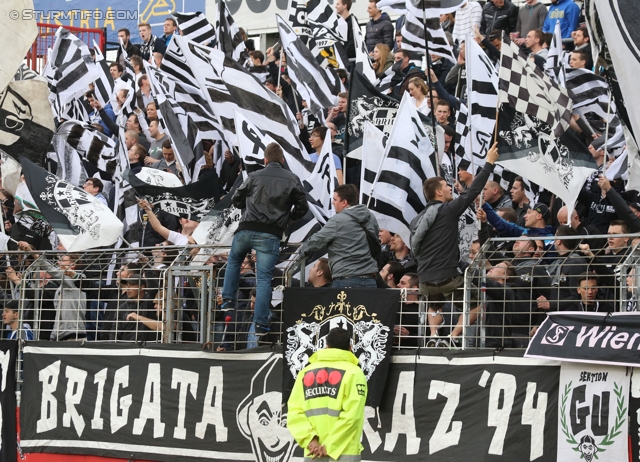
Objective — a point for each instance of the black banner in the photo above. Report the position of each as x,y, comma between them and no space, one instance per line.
167,404
369,315
191,201
8,350
600,338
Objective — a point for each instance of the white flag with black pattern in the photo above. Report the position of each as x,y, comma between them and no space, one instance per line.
195,26
397,196
433,8
318,87
590,93
413,36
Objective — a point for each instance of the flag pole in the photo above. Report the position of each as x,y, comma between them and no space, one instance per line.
220,27
433,109
606,135
470,128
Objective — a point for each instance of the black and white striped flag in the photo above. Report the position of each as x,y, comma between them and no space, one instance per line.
104,84
228,33
433,8
619,168
413,36
188,103
529,90
393,6
482,88
75,141
323,180
318,87
229,88
70,69
462,150
397,196
375,143
251,145
363,61
556,62
590,93
195,26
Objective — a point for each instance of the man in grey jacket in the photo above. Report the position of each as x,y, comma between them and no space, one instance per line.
70,301
345,238
435,236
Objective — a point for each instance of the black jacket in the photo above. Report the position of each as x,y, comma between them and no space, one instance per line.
564,274
267,196
379,31
504,18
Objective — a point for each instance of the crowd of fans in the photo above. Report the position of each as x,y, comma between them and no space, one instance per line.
547,268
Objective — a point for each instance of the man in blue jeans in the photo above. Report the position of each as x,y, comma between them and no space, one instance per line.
345,238
267,197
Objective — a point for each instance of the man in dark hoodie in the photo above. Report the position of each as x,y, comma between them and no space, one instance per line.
344,236
435,236
379,28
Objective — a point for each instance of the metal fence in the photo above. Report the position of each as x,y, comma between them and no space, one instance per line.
38,53
172,295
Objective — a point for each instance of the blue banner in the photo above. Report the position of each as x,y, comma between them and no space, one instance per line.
111,14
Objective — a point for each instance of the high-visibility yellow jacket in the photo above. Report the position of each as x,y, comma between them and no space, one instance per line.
328,401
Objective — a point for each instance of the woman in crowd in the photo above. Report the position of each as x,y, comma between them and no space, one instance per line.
419,91
382,59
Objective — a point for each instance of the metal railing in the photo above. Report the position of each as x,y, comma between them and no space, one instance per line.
98,297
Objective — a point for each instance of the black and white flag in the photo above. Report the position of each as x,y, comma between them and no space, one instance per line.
188,103
529,90
397,196
125,205
104,84
363,61
529,148
26,120
308,320
192,201
433,8
482,88
70,69
462,142
156,177
75,141
80,221
366,104
323,180
590,93
195,26
556,62
251,145
321,29
317,86
619,168
229,88
413,38
375,143
230,40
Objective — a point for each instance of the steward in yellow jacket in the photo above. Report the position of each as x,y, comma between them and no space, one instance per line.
326,406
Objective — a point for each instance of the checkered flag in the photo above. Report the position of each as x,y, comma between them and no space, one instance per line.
528,89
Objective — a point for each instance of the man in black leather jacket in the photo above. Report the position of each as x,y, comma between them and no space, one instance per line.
267,197
499,15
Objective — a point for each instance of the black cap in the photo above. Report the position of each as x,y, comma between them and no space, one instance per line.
13,305
542,209
271,81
